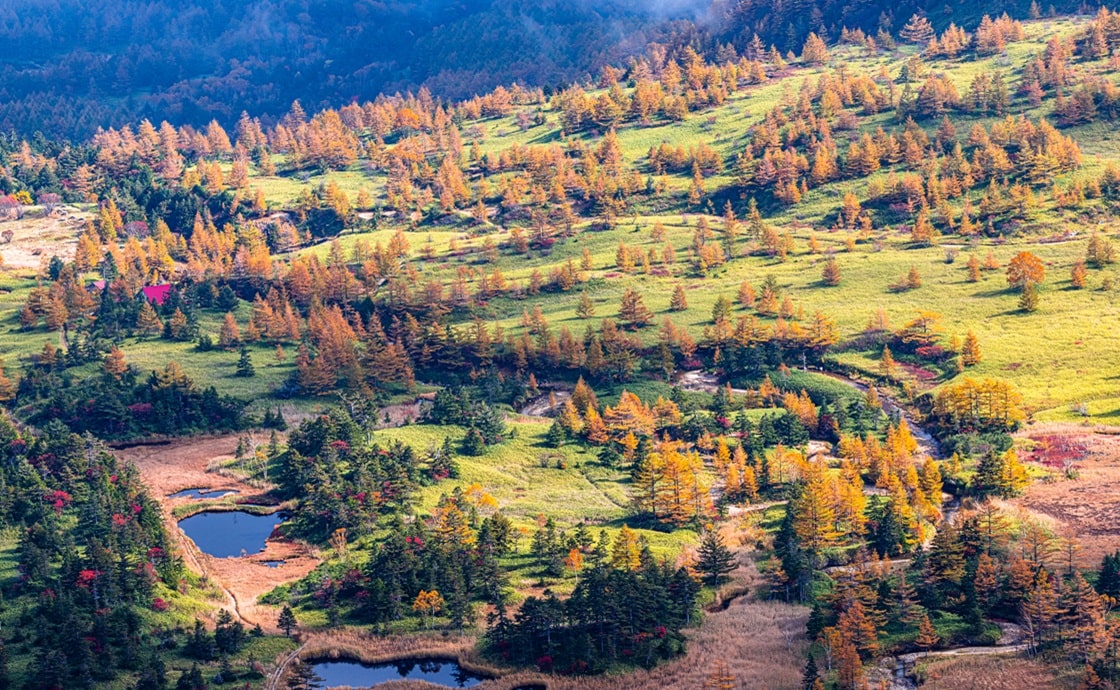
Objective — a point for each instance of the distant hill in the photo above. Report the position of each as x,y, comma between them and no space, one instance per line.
70,66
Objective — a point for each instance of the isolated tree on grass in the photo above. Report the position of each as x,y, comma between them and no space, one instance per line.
970,350
679,301
721,310
913,279
585,309
229,335
245,364
1077,275
973,269
1099,252
1025,269
830,274
887,365
633,312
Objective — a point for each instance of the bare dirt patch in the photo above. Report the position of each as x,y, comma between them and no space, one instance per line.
1087,506
37,237
168,468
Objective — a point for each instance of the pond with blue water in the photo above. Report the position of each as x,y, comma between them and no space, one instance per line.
346,673
225,534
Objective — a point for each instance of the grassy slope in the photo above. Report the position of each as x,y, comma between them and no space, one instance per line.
523,476
1055,356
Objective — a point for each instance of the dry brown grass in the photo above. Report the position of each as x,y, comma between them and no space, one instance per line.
187,464
1087,507
376,649
992,673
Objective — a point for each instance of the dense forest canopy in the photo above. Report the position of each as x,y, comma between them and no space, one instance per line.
69,67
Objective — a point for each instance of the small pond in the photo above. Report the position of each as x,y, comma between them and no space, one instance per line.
203,493
223,534
272,564
445,672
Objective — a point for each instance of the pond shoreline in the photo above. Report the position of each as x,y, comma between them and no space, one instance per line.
370,649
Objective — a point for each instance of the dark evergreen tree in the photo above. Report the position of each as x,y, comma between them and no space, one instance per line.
245,364
287,621
1108,582
714,560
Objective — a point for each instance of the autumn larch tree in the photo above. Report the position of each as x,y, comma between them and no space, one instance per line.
585,309
7,386
913,279
923,232
746,294
148,322
814,52
886,363
927,635
229,335
1099,252
814,518
970,350
918,30
115,364
679,301
973,269
1077,275
830,274
626,552
633,312
721,310
720,678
